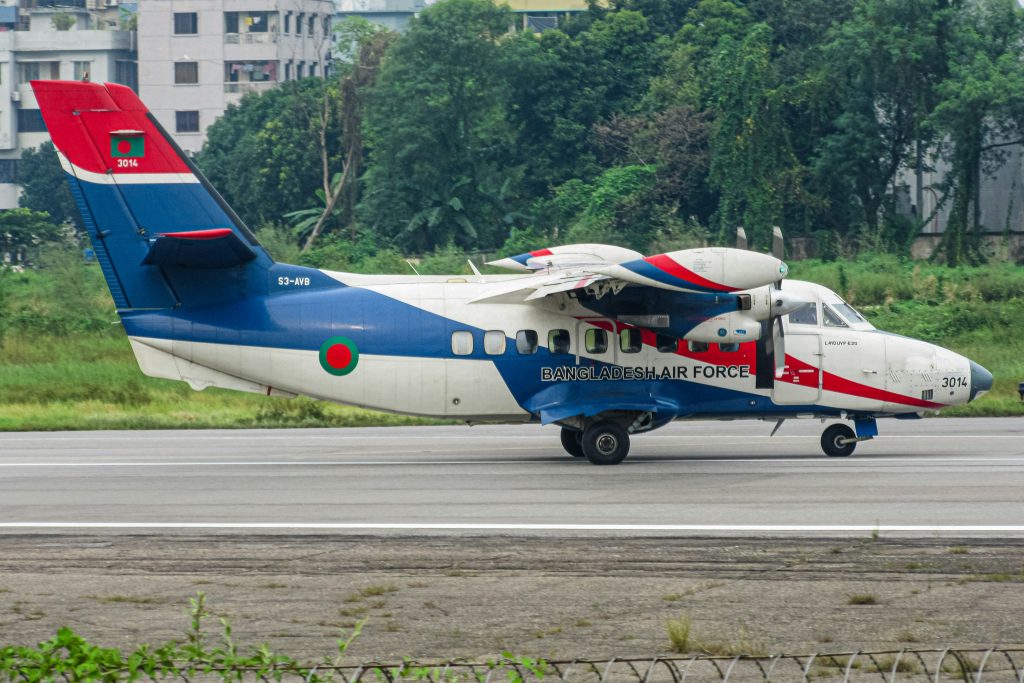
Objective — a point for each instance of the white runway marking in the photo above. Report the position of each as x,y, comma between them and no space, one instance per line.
767,460
371,526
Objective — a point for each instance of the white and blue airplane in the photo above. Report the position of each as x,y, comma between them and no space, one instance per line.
601,340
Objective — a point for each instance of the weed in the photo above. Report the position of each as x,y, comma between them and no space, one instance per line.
274,584
679,633
862,599
352,611
673,597
582,623
958,550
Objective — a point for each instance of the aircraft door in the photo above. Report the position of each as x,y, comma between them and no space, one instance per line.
800,382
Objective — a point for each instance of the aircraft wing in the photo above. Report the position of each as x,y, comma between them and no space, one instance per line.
705,271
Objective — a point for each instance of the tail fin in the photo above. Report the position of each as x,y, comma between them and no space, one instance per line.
162,234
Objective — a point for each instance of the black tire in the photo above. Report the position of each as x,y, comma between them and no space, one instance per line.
605,443
832,441
572,442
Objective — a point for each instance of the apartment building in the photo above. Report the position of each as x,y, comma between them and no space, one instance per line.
198,56
69,40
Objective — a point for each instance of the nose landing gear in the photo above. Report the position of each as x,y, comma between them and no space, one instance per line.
838,441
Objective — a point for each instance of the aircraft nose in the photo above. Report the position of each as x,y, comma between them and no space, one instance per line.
981,380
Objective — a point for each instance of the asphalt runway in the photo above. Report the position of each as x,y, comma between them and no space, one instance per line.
925,477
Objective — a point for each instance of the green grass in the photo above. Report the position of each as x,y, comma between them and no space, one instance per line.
65,362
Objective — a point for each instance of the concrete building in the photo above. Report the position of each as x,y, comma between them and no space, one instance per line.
91,43
198,56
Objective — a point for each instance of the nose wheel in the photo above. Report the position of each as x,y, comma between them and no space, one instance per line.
838,441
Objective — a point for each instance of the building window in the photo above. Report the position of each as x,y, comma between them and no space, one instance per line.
287,71
630,340
526,342
186,72
126,72
8,170
327,24
240,76
30,121
300,69
558,341
298,24
494,342
82,70
2,68
186,23
312,24
462,342
287,22
34,71
186,121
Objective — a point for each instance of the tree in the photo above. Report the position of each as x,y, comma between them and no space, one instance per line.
23,231
980,112
44,185
260,154
878,74
752,164
437,133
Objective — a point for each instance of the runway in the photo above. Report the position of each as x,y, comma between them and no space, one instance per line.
927,477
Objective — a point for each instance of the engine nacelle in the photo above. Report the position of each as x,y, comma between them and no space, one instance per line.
701,270
734,327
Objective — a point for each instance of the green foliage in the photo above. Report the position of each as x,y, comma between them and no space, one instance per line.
437,133
68,656
263,154
62,21
24,233
43,185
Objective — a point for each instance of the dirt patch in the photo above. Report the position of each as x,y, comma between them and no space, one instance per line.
445,597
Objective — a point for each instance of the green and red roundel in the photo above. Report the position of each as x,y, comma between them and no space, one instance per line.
339,356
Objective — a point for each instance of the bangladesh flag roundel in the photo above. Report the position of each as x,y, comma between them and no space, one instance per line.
130,147
339,356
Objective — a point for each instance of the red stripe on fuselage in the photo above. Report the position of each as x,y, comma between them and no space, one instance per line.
841,385
665,263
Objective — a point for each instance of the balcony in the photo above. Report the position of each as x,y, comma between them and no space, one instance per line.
252,38
243,87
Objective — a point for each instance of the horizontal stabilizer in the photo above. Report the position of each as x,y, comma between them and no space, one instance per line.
215,248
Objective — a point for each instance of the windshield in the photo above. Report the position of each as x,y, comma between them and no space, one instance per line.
849,312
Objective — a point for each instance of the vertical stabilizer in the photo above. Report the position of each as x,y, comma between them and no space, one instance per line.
162,235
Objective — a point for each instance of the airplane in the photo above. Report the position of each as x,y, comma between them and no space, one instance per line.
600,340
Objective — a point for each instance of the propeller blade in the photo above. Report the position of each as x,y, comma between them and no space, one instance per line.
778,244
778,346
741,238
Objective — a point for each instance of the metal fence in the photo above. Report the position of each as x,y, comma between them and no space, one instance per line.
934,666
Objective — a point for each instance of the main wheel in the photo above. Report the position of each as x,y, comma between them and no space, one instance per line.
572,442
605,443
834,441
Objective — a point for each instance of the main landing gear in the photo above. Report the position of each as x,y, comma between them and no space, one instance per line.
602,443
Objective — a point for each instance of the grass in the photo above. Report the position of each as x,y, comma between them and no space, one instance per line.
65,362
862,599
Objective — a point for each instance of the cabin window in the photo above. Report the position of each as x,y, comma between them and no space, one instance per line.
832,318
666,343
630,340
729,348
696,346
558,341
596,341
808,315
526,342
494,342
462,342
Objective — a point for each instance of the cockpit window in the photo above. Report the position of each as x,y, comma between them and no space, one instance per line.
850,313
832,319
808,315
